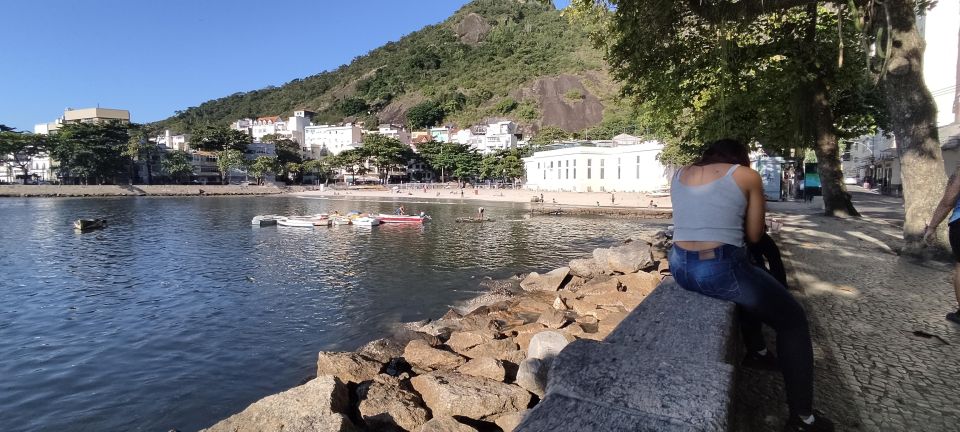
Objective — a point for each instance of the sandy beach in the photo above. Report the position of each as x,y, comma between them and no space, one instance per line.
577,199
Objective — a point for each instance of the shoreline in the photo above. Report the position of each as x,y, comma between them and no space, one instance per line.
481,366
99,191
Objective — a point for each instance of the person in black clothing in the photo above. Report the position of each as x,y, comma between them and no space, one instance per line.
766,255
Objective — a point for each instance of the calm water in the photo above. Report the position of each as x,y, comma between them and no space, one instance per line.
180,313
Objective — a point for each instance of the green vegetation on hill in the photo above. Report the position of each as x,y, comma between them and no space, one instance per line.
440,69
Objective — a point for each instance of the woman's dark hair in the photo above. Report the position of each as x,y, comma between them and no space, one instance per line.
725,151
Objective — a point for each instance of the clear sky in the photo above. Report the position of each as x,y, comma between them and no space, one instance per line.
155,57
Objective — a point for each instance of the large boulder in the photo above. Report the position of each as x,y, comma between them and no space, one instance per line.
532,376
550,281
546,344
600,285
629,258
446,424
460,342
454,394
421,355
552,318
485,367
496,348
382,350
580,306
348,366
585,268
543,348
385,405
509,421
313,407
642,283
472,29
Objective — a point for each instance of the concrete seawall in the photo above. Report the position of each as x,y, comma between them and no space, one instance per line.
133,190
615,212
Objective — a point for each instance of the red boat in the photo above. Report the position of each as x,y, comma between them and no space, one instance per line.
392,218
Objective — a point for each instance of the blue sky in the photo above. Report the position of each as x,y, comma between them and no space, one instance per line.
155,57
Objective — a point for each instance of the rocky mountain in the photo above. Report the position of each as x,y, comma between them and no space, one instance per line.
493,59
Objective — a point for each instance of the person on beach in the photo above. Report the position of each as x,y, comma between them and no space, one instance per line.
480,213
950,201
717,202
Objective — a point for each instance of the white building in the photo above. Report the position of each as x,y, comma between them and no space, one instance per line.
169,141
395,131
291,128
440,134
589,167
333,139
496,136
465,137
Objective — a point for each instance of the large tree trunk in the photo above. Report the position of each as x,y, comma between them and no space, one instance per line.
914,121
836,200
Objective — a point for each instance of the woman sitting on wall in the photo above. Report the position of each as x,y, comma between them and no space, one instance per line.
718,201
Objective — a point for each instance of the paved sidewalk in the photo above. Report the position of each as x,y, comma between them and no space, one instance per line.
864,304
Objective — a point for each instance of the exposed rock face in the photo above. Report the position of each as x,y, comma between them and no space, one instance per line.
347,366
445,424
585,268
472,29
550,281
312,407
629,258
484,367
455,394
571,114
387,406
420,354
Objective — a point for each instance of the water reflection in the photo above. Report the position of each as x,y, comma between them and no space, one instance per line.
180,313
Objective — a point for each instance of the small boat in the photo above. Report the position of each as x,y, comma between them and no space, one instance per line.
265,220
296,221
388,218
323,222
366,221
340,220
89,224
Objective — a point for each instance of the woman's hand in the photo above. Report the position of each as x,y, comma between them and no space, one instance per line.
929,235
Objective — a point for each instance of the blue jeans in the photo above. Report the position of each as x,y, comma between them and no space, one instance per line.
725,273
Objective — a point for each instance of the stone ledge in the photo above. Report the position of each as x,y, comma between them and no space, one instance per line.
667,367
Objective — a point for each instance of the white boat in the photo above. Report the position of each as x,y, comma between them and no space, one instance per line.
340,220
296,221
389,218
265,220
366,221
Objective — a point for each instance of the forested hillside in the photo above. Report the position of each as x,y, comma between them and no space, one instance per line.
512,59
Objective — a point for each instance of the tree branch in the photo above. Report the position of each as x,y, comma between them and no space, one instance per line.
725,10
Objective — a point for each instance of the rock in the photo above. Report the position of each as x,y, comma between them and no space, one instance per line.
629,258
573,330
546,344
348,366
460,342
454,394
382,350
472,29
523,339
550,281
509,421
531,306
451,315
527,328
440,328
559,305
552,318
313,407
514,357
663,268
495,348
658,254
642,283
420,354
581,307
585,268
574,283
445,424
532,376
600,285
387,406
615,300
485,367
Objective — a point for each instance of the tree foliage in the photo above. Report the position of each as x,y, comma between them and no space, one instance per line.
227,160
176,164
210,137
385,153
262,166
17,150
425,114
90,151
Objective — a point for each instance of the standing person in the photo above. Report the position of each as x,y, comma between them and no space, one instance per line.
480,213
718,201
950,201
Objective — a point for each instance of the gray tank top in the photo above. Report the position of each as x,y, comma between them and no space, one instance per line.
713,211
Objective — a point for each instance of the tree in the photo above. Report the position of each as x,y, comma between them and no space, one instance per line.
425,114
352,161
18,150
293,171
218,138
889,26
385,153
176,164
549,135
288,151
228,160
140,149
321,167
263,165
91,151
504,164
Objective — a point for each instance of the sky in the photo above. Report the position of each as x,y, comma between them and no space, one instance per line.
155,57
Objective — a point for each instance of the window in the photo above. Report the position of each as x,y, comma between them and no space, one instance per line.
574,171
568,173
589,164
588,172
601,169
551,164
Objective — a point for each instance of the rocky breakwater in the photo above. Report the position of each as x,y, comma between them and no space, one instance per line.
480,367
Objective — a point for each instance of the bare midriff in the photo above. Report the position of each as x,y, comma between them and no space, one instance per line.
698,245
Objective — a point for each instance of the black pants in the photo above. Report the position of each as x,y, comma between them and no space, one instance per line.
766,255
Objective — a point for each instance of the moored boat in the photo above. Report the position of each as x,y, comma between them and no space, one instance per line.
387,218
340,220
296,221
265,220
366,221
89,224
